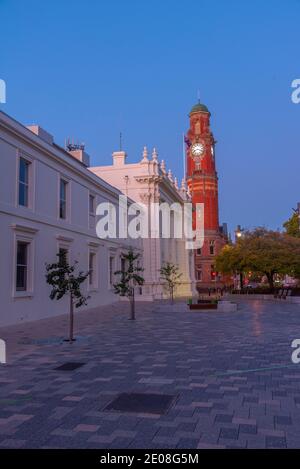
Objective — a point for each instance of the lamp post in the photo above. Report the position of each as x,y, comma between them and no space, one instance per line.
238,235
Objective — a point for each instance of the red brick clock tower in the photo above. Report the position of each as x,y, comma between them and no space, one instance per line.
202,180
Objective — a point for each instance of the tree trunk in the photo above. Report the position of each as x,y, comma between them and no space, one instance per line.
241,281
132,305
270,277
71,318
172,295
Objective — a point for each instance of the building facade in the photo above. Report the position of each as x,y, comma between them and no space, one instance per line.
147,182
48,200
202,180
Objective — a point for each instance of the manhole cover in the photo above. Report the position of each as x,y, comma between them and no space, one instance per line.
142,403
69,366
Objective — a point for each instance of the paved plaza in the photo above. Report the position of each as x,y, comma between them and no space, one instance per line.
231,376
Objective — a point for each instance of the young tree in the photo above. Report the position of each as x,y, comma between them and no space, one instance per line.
64,281
170,275
129,278
292,226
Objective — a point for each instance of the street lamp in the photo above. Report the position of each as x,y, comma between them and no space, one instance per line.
238,234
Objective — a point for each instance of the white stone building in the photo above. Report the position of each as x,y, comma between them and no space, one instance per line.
48,199
148,182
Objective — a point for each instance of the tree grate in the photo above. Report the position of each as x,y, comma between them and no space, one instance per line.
142,403
69,366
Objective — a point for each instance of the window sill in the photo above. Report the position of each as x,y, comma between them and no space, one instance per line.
22,294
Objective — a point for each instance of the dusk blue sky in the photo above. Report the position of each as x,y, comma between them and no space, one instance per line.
90,69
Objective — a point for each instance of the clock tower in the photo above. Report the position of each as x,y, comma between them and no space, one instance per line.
202,180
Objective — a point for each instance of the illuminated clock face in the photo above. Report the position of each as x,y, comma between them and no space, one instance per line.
197,149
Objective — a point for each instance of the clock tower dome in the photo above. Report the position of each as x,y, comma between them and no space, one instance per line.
202,180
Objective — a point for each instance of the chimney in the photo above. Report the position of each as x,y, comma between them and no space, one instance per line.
81,156
119,158
37,130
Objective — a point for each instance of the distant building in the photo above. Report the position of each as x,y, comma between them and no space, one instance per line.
202,180
147,182
48,200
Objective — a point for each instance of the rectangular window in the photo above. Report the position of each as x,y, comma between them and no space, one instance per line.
123,264
22,266
111,269
92,265
24,182
212,248
199,252
63,199
199,274
63,254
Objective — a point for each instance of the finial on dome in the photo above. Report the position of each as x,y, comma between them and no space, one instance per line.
154,155
176,183
163,166
145,155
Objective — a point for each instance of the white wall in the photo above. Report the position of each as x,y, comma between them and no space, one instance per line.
40,225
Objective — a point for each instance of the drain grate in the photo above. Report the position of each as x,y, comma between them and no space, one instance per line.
142,403
70,366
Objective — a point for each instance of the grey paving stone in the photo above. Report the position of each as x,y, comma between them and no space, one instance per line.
283,420
223,418
229,433
218,366
275,442
249,429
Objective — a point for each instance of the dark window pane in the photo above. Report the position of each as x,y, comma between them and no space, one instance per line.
24,167
92,203
63,255
23,182
91,268
21,273
63,186
63,198
62,209
22,253
23,194
111,268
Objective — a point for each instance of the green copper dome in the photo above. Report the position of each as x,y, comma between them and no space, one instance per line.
199,108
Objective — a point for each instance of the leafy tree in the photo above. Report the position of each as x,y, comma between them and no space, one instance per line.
230,261
64,281
129,278
263,252
170,275
292,226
